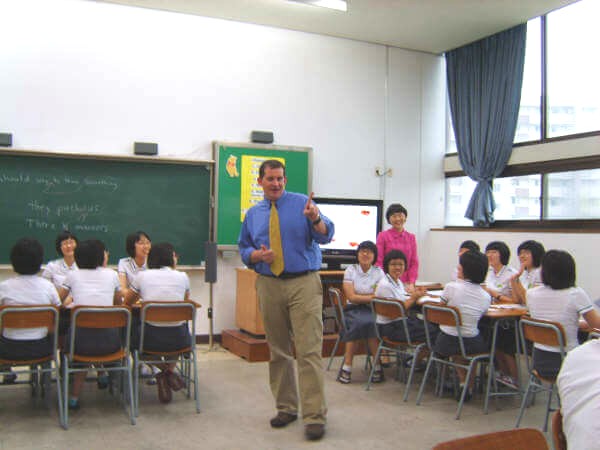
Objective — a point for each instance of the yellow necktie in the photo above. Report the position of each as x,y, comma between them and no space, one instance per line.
275,239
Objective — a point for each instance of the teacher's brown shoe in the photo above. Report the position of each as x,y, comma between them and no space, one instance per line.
314,431
282,419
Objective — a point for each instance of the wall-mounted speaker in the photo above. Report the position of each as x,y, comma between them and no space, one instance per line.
263,137
5,139
145,148
210,269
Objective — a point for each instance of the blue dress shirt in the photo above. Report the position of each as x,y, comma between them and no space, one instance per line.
300,241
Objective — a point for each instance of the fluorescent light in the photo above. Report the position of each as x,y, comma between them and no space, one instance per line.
339,5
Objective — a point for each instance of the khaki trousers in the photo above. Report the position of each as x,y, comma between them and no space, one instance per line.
292,313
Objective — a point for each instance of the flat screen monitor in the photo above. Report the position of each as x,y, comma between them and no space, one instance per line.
355,220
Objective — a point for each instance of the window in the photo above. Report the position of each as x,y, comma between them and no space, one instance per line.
573,195
458,194
573,70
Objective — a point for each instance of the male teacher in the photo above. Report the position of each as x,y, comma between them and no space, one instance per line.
280,240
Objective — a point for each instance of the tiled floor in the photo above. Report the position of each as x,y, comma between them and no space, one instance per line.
236,405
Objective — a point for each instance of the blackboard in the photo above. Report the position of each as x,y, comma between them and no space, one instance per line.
104,198
236,170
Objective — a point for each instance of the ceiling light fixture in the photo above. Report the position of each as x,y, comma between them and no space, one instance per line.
339,5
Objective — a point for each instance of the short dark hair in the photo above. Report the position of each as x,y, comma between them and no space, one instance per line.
271,164
63,236
537,251
474,266
501,248
132,239
395,208
367,245
89,254
391,255
26,256
558,269
161,255
472,246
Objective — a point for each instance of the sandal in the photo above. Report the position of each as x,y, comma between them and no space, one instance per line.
344,376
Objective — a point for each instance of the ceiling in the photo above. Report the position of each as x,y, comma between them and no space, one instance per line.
432,26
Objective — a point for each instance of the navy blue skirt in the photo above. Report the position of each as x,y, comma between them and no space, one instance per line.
165,339
546,363
360,323
416,329
96,341
447,345
18,350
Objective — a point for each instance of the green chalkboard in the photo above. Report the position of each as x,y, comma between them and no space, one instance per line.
106,199
236,170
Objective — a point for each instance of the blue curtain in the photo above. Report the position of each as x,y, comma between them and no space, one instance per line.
484,88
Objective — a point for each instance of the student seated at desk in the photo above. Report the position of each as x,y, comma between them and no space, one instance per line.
92,285
137,246
391,287
56,271
26,289
498,284
560,301
472,301
161,282
530,274
465,246
360,281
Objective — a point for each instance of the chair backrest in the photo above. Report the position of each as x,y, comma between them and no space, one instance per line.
31,316
517,439
543,332
100,316
83,316
558,436
335,298
390,308
442,314
168,311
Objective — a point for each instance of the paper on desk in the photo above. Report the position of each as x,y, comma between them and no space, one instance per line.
427,298
438,292
507,306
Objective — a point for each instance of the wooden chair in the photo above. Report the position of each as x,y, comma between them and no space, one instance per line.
167,311
99,317
558,436
522,439
394,309
547,333
449,316
335,299
41,369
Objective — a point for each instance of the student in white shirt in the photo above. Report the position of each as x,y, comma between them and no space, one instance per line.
473,301
558,300
579,390
92,285
391,287
137,246
26,289
56,271
498,284
465,246
530,274
161,282
360,281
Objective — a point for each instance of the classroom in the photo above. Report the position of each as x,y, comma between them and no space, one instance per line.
93,77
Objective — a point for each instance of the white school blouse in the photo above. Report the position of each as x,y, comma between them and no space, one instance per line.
164,284
27,290
388,288
129,267
92,287
500,281
471,300
56,271
364,282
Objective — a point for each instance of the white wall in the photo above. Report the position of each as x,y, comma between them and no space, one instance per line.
87,77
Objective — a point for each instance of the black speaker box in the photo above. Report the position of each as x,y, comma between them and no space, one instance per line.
5,139
145,148
210,269
263,137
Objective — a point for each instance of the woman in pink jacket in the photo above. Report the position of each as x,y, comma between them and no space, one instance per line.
397,238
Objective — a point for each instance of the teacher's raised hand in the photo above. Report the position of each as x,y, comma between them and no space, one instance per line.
310,209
